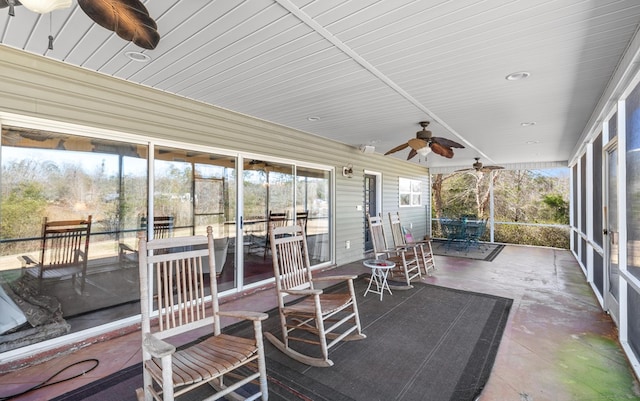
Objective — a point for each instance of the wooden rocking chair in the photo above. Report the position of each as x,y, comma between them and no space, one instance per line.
63,252
405,257
423,247
305,320
176,266
274,220
162,228
301,220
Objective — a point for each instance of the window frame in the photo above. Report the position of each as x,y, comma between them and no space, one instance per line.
414,192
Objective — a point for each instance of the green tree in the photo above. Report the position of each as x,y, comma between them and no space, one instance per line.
558,206
520,196
22,211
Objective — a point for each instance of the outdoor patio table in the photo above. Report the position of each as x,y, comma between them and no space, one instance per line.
379,271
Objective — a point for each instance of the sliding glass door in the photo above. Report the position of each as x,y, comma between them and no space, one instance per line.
267,190
196,190
313,197
132,186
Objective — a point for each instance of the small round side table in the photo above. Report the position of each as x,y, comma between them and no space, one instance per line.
379,271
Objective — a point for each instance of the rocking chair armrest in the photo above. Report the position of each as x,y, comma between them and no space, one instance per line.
125,248
314,291
27,260
344,277
81,254
156,347
244,314
405,248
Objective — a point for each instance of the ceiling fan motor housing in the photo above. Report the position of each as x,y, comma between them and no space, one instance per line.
424,135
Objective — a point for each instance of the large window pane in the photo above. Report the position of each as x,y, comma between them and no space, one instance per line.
268,188
312,196
62,176
173,189
66,177
195,190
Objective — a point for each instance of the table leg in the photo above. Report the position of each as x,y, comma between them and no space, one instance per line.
384,284
371,280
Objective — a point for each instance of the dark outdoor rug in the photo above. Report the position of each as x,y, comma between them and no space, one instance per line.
482,251
428,343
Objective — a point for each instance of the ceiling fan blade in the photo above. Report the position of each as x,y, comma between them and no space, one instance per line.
464,169
397,148
417,143
492,168
446,142
441,150
127,18
412,154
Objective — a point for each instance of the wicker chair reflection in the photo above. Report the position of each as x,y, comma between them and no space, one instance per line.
182,307
305,320
63,252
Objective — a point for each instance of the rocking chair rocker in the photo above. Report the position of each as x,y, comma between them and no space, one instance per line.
304,321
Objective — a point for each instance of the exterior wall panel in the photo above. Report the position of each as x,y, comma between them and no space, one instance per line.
47,89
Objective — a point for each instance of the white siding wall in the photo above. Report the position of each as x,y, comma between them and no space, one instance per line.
38,87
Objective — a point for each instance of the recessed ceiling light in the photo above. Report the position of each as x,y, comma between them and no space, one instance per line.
313,118
137,56
515,76
528,124
532,142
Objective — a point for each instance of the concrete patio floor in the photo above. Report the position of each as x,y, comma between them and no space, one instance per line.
558,344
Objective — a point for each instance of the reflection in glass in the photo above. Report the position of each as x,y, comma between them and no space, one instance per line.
197,190
312,197
62,176
66,177
267,188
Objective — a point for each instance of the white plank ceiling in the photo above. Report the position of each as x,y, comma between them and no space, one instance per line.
371,70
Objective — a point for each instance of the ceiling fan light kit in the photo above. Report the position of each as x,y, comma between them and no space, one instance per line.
45,6
425,142
424,151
